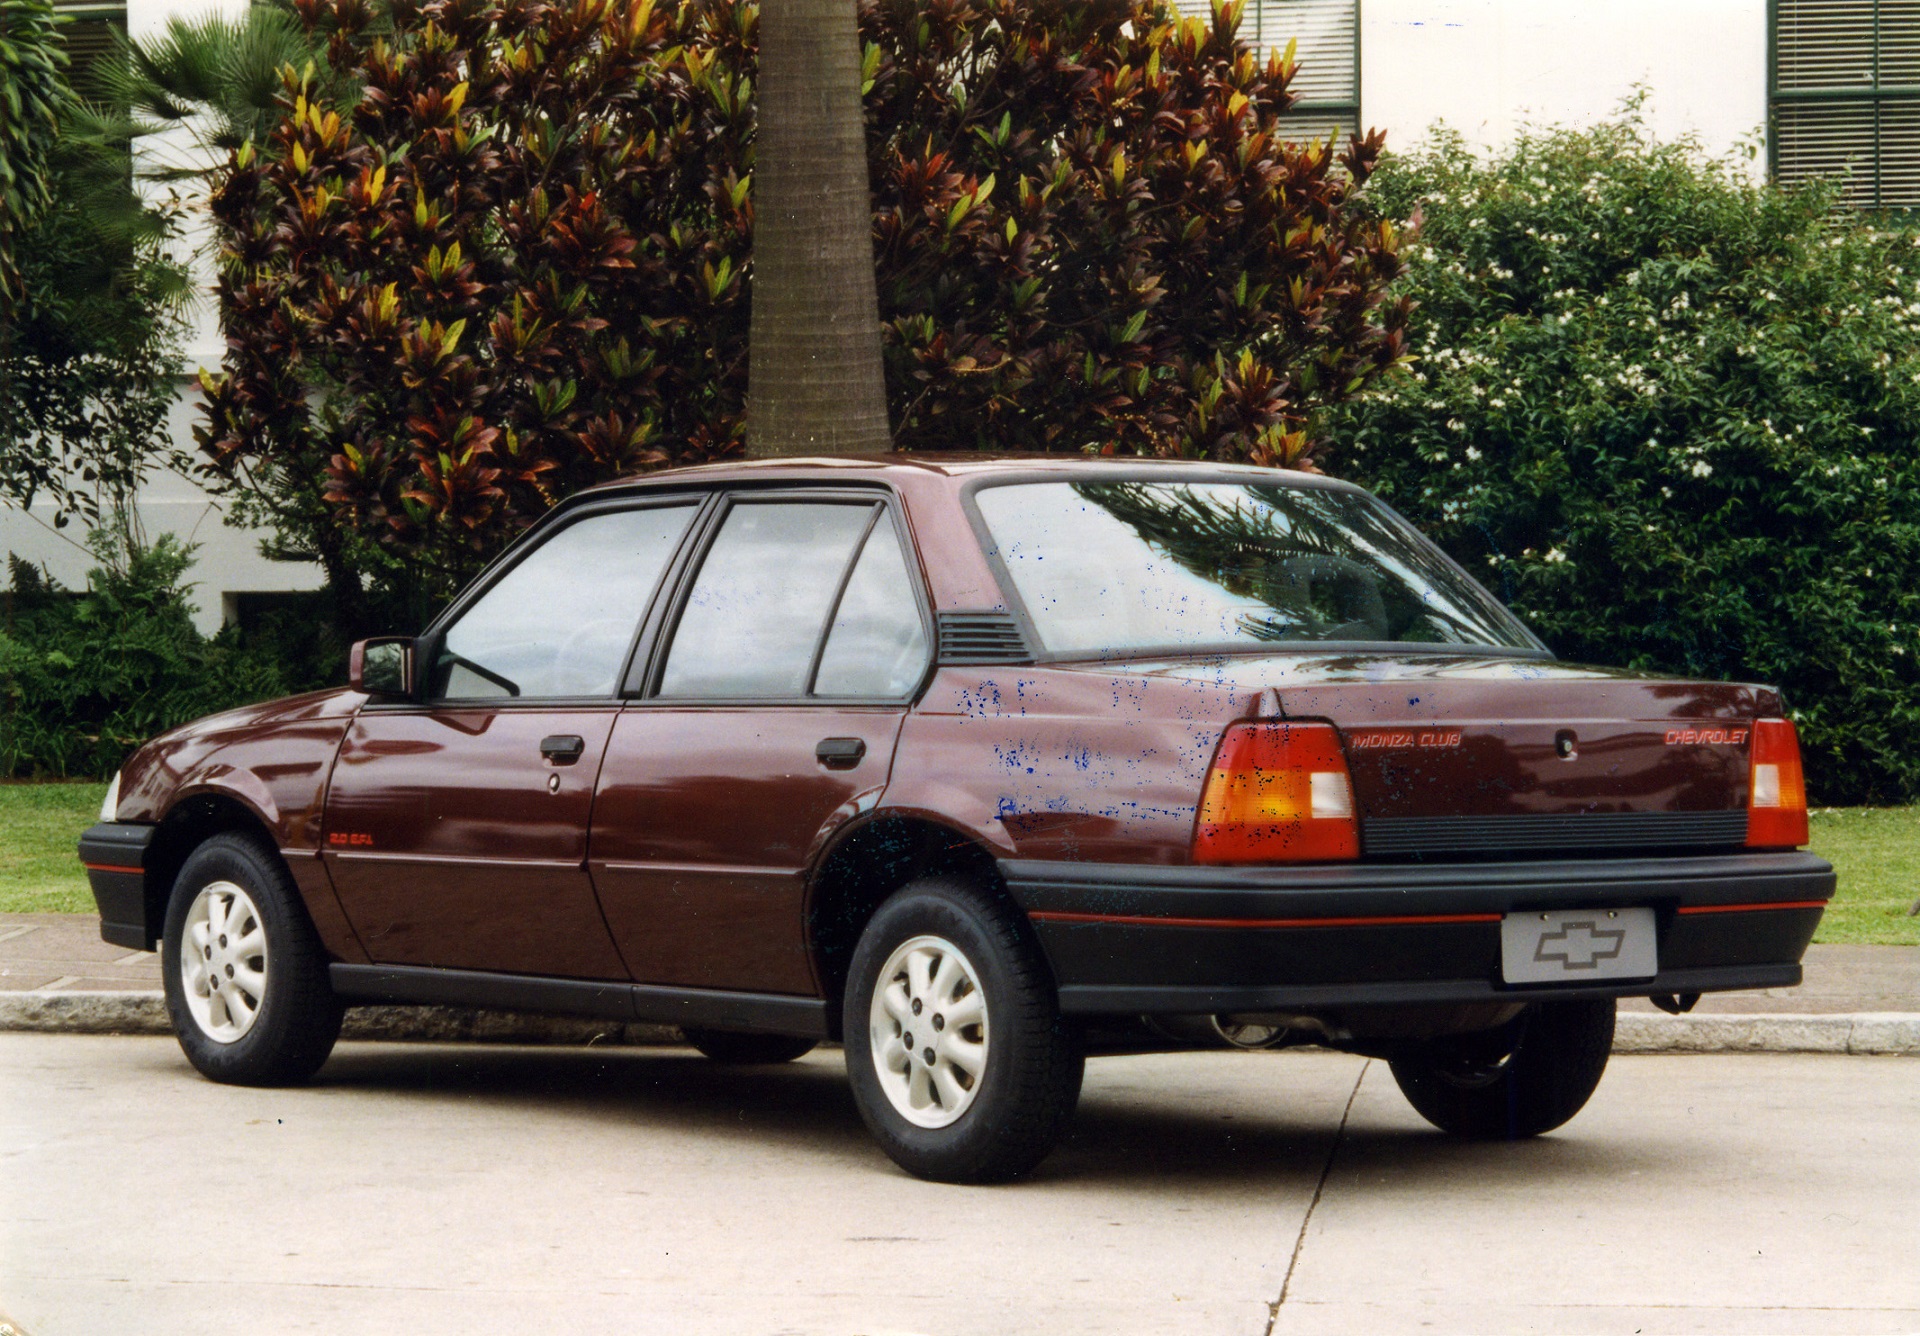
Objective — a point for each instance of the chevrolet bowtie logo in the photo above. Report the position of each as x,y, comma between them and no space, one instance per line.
1580,944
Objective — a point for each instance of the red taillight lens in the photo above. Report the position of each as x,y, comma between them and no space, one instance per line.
1278,793
1776,787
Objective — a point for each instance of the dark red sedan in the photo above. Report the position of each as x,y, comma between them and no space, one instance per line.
977,766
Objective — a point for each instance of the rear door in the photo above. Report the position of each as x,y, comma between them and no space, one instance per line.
769,716
457,827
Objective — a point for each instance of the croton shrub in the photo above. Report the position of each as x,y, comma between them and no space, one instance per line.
516,258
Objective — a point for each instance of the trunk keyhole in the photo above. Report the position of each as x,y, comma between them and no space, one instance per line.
1566,744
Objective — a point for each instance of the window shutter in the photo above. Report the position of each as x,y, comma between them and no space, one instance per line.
1846,97
1326,86
88,34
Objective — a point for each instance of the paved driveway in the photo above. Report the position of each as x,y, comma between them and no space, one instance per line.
423,1190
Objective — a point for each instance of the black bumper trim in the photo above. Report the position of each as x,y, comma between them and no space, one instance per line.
1116,1000
1357,890
116,844
115,854
1129,939
1551,832
720,1009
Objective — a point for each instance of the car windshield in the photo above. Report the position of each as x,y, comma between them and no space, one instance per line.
1128,567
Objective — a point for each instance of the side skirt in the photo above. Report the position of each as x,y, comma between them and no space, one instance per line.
708,1008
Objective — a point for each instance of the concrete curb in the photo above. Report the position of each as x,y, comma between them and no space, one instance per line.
146,1013
1884,1032
1867,1032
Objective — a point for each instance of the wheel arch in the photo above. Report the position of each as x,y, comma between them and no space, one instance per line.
188,824
866,864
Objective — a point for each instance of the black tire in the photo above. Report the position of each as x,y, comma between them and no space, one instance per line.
1023,1098
297,1018
738,1048
1524,1078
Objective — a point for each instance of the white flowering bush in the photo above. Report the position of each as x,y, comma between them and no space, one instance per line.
1670,414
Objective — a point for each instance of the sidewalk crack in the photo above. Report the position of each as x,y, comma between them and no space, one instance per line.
1300,1241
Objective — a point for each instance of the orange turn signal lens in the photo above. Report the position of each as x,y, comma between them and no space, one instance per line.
1776,787
1277,793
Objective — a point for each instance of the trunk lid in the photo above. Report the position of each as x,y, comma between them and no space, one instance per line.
1465,755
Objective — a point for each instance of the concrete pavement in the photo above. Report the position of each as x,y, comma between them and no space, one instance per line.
63,952
461,1189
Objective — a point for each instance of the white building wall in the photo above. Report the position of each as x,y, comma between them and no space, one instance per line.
229,560
1489,67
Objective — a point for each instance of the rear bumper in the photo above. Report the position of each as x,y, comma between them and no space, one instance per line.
114,854
1127,939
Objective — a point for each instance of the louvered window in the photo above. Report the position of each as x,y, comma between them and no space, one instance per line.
1846,96
88,33
1327,85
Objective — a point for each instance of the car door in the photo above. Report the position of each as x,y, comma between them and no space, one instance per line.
456,826
769,714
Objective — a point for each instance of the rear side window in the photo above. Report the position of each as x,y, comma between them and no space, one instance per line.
878,644
560,622
799,598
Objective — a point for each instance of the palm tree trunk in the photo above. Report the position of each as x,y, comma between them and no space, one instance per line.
815,382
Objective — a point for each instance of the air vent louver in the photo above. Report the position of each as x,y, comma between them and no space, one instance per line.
981,638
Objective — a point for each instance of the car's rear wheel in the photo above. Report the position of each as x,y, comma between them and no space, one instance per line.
1526,1077
738,1048
961,1063
244,971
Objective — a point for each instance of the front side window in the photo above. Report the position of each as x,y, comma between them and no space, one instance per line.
1105,568
796,599
560,621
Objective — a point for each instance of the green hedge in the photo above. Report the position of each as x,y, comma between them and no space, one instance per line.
1669,414
85,678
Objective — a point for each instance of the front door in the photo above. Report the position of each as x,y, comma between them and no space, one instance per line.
456,828
771,720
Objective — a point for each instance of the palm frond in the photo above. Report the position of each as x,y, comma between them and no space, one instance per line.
216,76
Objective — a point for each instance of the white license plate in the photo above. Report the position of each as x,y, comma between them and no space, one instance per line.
1578,945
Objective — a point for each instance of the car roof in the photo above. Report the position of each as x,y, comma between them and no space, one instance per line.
957,465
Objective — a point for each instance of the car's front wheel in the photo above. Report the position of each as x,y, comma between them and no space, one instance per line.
244,971
1526,1077
961,1063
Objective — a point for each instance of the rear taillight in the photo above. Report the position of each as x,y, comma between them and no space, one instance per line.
1776,787
1277,793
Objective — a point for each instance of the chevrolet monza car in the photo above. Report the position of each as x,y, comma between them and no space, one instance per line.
977,766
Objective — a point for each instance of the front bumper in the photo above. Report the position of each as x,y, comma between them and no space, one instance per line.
1126,939
115,853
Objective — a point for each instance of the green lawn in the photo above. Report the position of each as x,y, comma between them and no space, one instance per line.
39,826
1876,849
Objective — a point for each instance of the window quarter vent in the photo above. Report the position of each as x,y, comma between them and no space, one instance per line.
981,638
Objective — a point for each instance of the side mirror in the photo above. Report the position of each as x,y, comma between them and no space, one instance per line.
382,666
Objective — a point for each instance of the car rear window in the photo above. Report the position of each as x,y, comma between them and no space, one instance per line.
1122,567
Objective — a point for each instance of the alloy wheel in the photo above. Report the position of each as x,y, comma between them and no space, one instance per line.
223,961
928,1031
